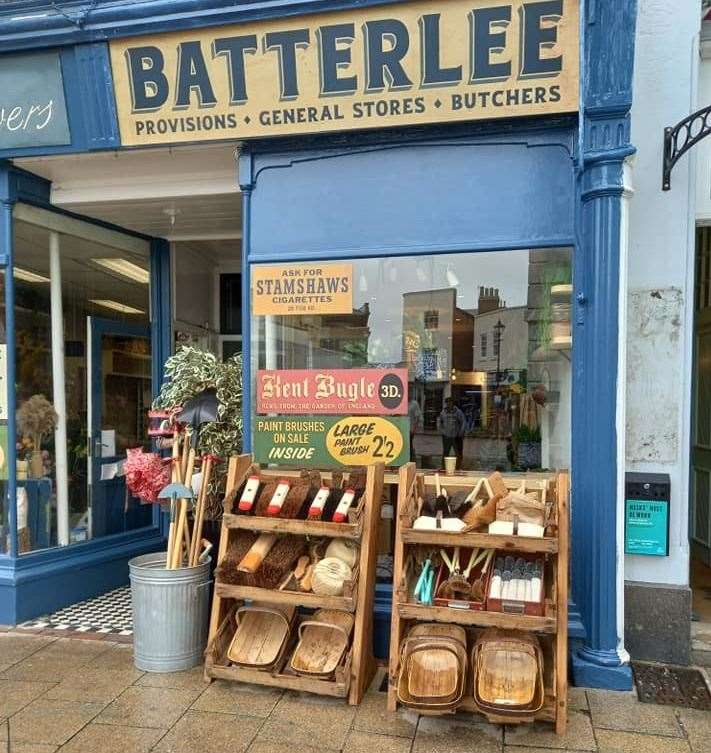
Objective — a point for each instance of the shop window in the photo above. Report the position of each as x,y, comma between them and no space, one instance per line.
431,319
515,407
95,296
230,304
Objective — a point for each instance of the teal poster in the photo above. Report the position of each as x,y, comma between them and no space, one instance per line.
646,527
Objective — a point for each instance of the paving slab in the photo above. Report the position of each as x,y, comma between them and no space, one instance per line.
117,656
271,746
456,734
148,707
697,725
15,695
191,679
110,738
305,720
577,699
579,734
93,683
14,648
614,741
56,660
373,716
50,722
235,698
367,742
201,732
619,711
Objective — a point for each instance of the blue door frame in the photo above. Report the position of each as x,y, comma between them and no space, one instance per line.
107,496
43,581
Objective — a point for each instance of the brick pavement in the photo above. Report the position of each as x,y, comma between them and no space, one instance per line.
84,696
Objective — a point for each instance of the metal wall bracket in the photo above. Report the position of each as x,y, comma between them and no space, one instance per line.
679,139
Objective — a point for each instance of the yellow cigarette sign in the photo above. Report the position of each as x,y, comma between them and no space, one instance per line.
377,67
302,289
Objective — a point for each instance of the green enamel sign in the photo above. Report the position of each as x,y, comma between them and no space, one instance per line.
327,441
647,527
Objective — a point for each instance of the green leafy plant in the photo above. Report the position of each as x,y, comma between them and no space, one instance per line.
189,372
525,434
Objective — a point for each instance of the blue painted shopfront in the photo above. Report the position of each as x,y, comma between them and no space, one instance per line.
537,183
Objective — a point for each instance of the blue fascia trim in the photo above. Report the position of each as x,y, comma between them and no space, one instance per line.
123,19
414,250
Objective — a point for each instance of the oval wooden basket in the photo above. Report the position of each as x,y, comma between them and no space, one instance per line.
261,636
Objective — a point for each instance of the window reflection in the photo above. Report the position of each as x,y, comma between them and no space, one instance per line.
485,338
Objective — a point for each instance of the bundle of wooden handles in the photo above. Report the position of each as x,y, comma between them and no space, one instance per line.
182,546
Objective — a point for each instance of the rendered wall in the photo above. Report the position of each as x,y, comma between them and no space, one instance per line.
660,274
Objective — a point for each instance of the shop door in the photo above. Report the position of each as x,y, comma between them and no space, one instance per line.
119,395
700,522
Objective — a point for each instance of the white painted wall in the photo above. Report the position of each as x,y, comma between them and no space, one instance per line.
660,268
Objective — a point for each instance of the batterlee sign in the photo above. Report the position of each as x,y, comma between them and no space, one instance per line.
367,392
302,289
319,442
385,66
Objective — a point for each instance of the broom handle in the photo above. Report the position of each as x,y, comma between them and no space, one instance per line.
200,513
183,517
186,456
174,471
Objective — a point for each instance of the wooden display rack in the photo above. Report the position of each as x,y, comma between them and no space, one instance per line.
552,627
357,668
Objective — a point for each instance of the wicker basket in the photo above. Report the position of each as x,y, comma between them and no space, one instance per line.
261,636
507,668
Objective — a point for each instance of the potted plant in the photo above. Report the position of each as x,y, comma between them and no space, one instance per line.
528,447
36,418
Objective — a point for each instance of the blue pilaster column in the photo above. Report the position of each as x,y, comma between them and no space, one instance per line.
7,200
608,55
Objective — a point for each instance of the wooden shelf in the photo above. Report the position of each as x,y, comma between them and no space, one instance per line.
473,618
552,628
480,540
299,527
546,714
290,682
310,600
355,674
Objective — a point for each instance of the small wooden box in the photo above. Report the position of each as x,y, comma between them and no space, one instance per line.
514,606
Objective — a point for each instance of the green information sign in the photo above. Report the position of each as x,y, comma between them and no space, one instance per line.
647,527
322,441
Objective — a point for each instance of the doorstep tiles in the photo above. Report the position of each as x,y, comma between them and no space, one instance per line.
201,732
50,722
614,741
622,712
109,738
233,698
148,707
579,734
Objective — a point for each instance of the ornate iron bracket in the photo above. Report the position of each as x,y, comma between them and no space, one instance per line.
679,139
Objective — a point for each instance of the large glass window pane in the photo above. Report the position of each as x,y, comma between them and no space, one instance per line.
73,490
486,340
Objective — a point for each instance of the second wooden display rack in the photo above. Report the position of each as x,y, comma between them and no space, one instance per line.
357,668
552,626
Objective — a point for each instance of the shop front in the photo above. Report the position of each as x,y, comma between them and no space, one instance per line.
434,195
